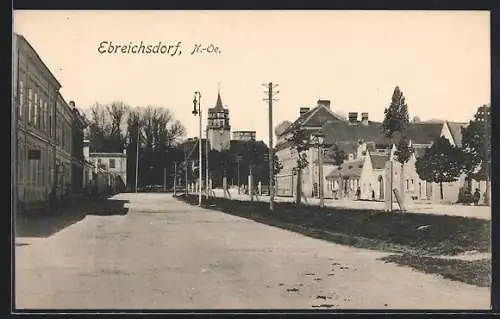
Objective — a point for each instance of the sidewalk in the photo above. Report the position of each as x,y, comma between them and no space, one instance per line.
482,212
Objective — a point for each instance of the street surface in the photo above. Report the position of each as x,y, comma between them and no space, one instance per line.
482,212
164,254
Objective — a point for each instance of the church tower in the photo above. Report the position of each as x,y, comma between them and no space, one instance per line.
218,128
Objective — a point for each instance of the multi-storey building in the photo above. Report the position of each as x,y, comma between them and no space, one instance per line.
46,129
36,97
78,178
64,160
114,163
218,127
244,135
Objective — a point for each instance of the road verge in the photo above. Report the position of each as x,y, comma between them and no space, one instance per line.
418,240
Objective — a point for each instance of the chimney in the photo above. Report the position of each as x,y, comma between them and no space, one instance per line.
325,103
72,104
353,117
304,110
86,149
364,118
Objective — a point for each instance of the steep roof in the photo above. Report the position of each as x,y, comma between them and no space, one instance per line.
349,169
456,131
314,117
336,132
378,160
424,132
218,105
418,133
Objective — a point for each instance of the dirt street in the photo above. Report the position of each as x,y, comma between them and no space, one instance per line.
160,253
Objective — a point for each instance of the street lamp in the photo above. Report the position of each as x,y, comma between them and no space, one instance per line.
320,137
197,112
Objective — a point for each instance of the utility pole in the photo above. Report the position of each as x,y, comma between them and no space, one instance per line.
270,98
197,111
206,162
185,170
175,177
137,157
165,179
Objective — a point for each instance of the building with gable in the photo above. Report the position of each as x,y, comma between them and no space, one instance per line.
311,120
367,151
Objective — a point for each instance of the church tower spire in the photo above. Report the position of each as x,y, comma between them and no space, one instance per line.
218,104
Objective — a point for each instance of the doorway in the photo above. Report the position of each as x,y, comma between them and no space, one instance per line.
381,187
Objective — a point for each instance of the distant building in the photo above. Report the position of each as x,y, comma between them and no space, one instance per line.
218,128
114,163
244,135
367,152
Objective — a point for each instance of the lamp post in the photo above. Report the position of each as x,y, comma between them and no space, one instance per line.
197,112
320,136
137,157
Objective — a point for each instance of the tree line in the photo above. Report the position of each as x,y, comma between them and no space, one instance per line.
152,135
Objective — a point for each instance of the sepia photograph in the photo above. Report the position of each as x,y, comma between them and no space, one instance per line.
251,160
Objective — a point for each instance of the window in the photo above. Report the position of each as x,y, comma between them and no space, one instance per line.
21,99
39,110
407,185
45,115
112,163
50,121
30,104
42,113
35,109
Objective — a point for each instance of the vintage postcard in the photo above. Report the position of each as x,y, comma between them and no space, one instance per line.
251,160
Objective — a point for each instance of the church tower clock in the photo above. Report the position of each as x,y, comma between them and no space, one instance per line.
218,128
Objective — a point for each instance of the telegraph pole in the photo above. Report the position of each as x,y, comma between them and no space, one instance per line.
165,179
137,157
185,170
175,177
206,162
270,98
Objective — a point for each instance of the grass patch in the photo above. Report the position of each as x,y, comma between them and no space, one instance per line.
476,272
371,229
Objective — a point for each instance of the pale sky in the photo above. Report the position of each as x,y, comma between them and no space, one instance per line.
440,60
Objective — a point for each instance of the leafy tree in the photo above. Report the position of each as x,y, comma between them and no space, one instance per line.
117,112
278,166
396,116
300,144
476,146
337,154
441,163
404,150
396,120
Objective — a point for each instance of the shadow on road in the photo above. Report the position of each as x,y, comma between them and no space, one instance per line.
45,225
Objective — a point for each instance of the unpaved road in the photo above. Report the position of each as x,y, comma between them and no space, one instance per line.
164,254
